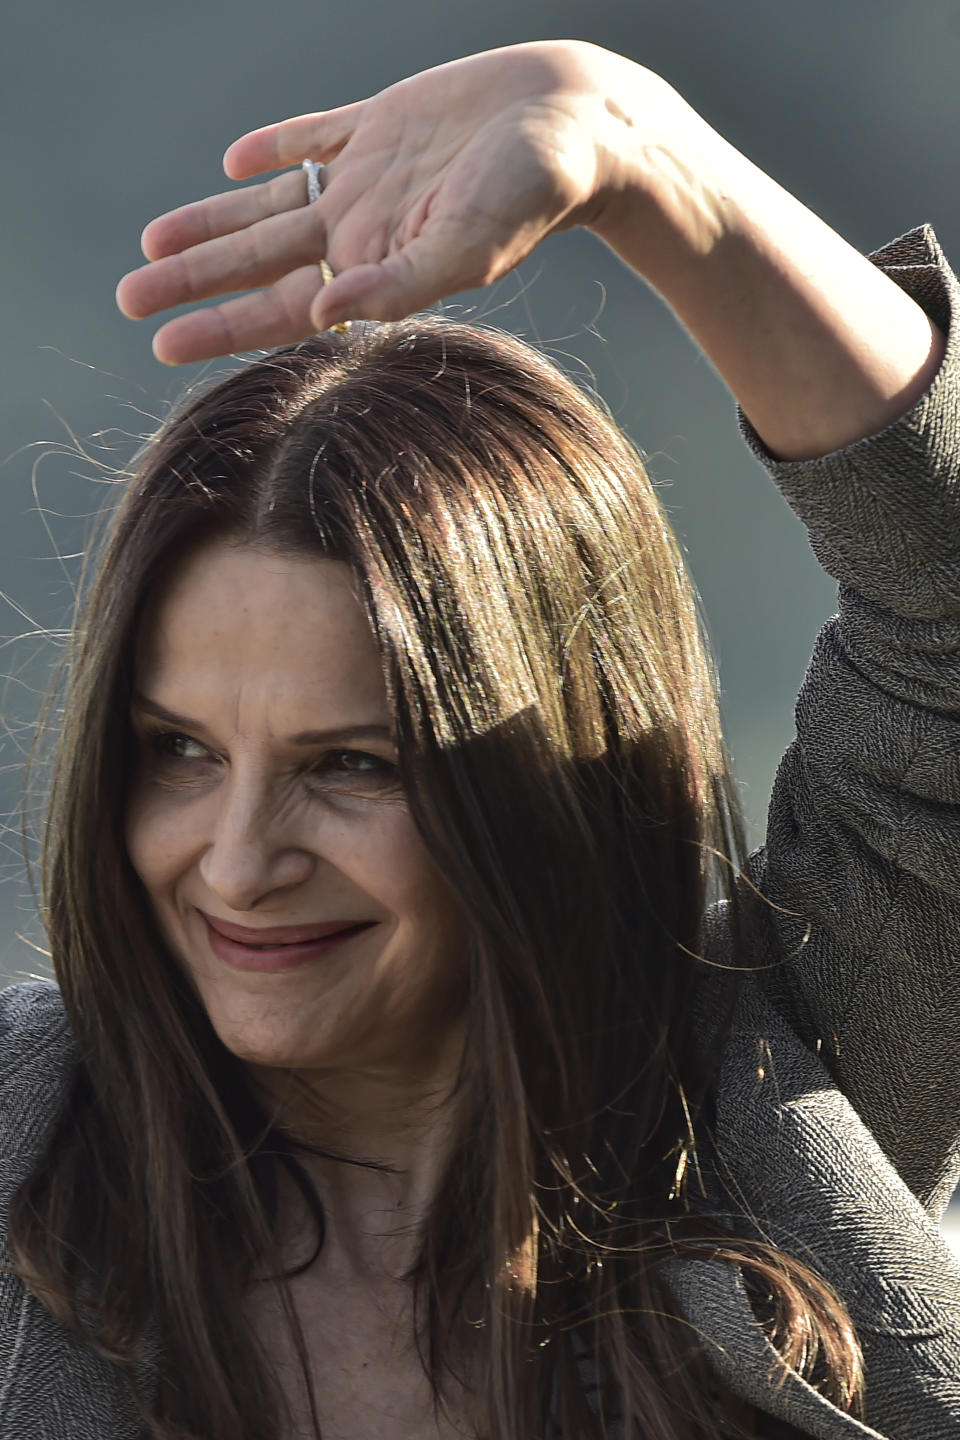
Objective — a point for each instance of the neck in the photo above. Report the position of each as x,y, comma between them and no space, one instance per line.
394,1124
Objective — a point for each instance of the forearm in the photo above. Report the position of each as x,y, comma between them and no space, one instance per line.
819,347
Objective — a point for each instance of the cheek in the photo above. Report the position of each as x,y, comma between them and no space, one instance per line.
391,861
429,901
161,836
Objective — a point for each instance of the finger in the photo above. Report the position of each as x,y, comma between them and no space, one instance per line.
279,315
429,268
306,137
221,215
246,260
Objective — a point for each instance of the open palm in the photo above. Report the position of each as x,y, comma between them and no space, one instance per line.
439,184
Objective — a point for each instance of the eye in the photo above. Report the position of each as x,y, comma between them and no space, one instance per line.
171,745
357,765
358,762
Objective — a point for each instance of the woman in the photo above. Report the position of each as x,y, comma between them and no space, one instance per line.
403,1076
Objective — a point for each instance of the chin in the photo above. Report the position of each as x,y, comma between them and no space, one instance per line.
271,1039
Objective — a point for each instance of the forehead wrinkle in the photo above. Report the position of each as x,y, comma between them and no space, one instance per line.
308,726
236,628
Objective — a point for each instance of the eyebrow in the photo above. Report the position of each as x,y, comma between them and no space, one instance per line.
340,733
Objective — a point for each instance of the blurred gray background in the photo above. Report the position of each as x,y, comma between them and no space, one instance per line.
114,112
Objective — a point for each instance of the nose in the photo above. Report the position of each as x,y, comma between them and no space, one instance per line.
253,851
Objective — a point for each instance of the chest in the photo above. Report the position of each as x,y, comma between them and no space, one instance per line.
367,1377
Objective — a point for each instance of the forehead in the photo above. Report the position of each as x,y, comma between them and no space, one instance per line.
231,619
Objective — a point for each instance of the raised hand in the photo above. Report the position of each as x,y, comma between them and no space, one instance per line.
439,184
447,180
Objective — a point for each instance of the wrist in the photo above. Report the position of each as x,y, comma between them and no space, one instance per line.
666,182
819,347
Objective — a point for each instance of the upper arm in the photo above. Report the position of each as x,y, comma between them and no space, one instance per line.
862,860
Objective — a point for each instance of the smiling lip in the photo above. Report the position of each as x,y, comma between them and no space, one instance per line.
277,947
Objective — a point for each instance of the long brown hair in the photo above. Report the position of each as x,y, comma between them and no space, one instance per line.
559,743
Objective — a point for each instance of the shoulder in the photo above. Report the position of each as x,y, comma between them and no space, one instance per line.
33,1028
782,1126
38,1059
785,1158
37,1063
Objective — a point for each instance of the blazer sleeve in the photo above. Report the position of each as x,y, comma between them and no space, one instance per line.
859,930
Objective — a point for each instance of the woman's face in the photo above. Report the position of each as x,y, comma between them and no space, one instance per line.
268,826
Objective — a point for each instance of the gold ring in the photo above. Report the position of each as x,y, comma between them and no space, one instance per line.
342,326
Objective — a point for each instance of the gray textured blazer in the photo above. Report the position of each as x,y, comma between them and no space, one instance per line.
837,1128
